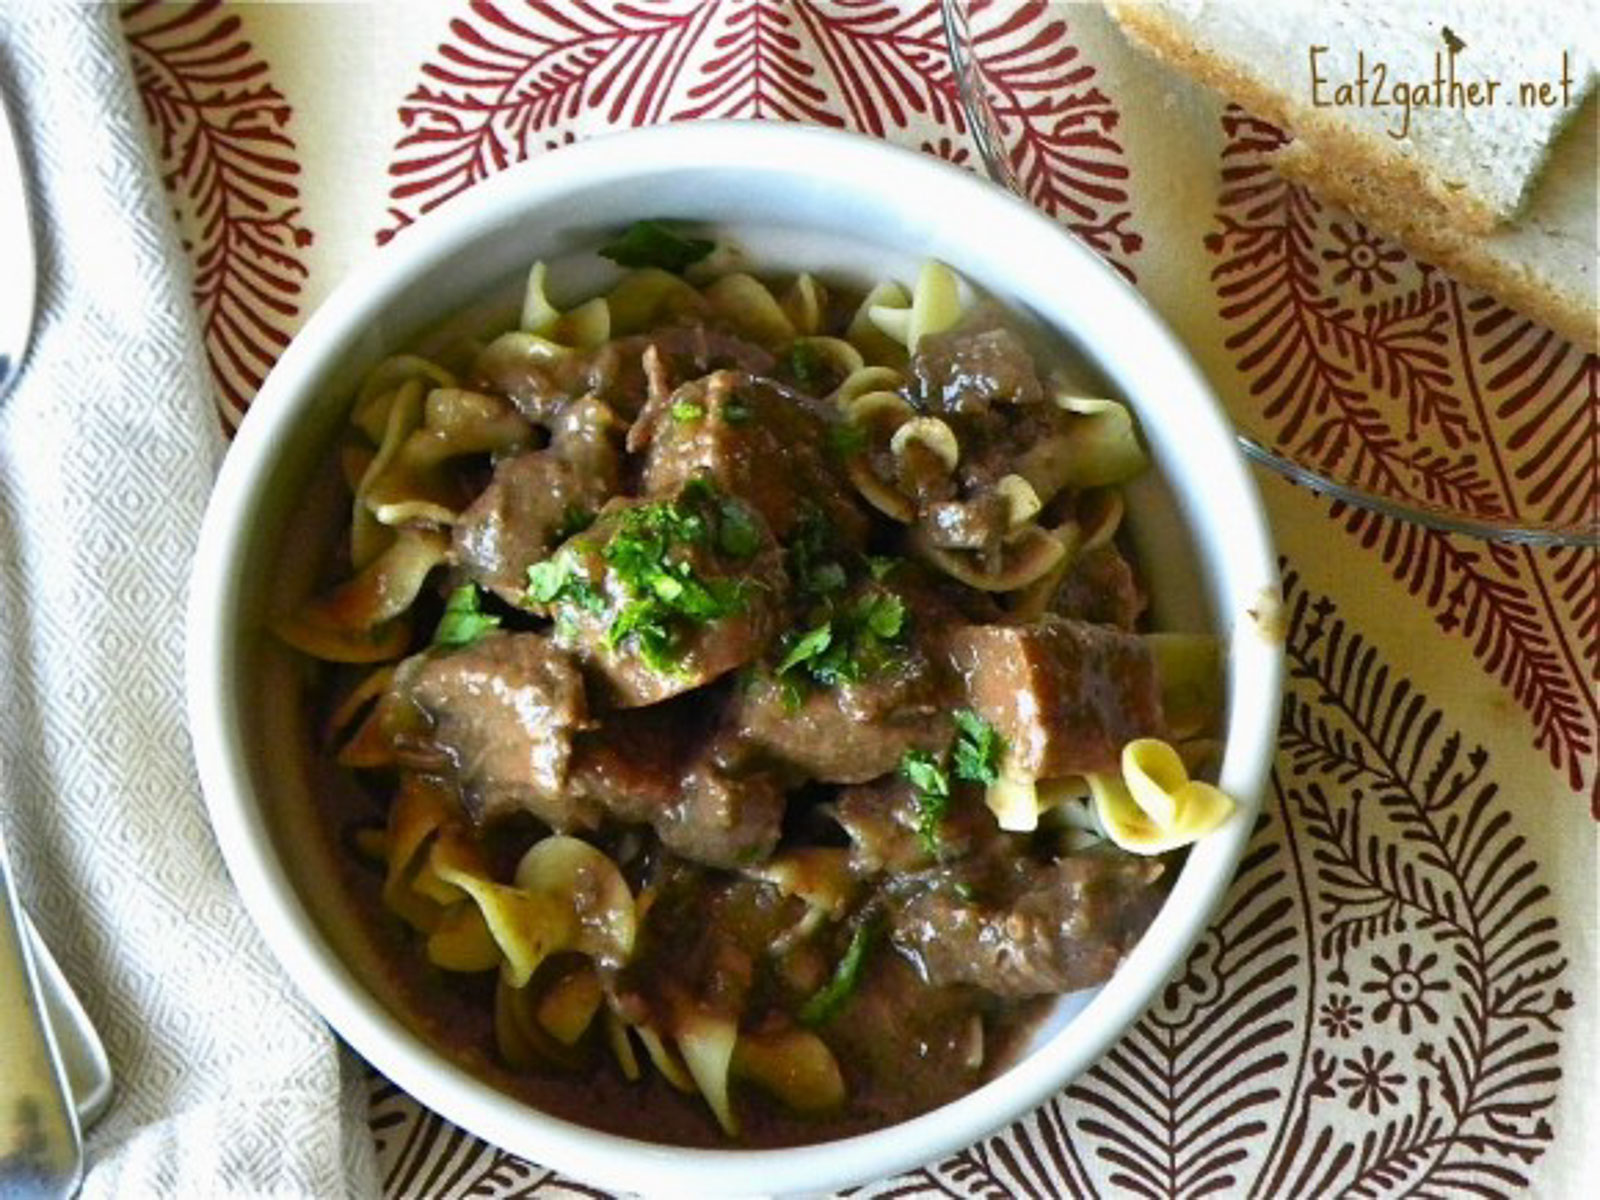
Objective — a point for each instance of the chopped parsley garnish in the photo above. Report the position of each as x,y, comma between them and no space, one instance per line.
653,244
811,645
884,615
927,777
737,533
813,561
735,412
807,366
851,644
847,440
975,758
464,620
574,521
558,579
687,410
978,748
664,593
829,1000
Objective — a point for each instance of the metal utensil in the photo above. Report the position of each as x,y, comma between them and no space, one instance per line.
17,264
83,1054
41,1150
42,1092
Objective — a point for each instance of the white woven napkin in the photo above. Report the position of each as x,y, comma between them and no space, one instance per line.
227,1083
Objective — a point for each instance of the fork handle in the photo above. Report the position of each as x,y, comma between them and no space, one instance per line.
41,1151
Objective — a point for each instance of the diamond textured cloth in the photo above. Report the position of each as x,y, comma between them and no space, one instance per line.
226,1082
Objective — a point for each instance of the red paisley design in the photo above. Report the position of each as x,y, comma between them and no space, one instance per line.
221,131
516,79
1419,389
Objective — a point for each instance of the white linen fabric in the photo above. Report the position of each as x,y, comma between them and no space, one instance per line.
227,1083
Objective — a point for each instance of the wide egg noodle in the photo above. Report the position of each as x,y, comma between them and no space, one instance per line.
876,346
865,379
933,306
1189,667
706,1040
402,413
835,355
380,385
793,1065
649,297
363,619
412,485
1099,449
570,867
805,304
528,926
1153,806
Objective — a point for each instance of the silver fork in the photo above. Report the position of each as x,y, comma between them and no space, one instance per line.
53,1067
41,1148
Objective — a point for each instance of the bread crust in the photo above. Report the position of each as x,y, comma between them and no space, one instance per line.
1382,188
1397,190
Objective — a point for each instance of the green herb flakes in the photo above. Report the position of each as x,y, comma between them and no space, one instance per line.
574,521
665,595
557,580
654,244
847,440
464,620
848,642
737,532
806,365
829,1000
687,410
978,748
927,776
811,645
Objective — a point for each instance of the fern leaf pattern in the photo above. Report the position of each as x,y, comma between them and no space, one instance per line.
516,79
222,137
1374,367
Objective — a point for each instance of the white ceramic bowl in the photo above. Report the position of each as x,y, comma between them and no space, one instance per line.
795,197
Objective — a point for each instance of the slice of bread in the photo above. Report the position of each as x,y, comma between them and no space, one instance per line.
1499,194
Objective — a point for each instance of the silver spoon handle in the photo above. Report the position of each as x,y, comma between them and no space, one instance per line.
41,1152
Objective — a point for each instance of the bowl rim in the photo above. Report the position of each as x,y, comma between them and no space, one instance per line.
284,920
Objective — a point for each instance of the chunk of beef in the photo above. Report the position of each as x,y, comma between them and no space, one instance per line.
498,718
896,1036
1066,696
757,440
884,822
535,500
656,766
850,714
977,524
666,595
703,937
727,813
967,369
1032,928
850,732
1102,589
